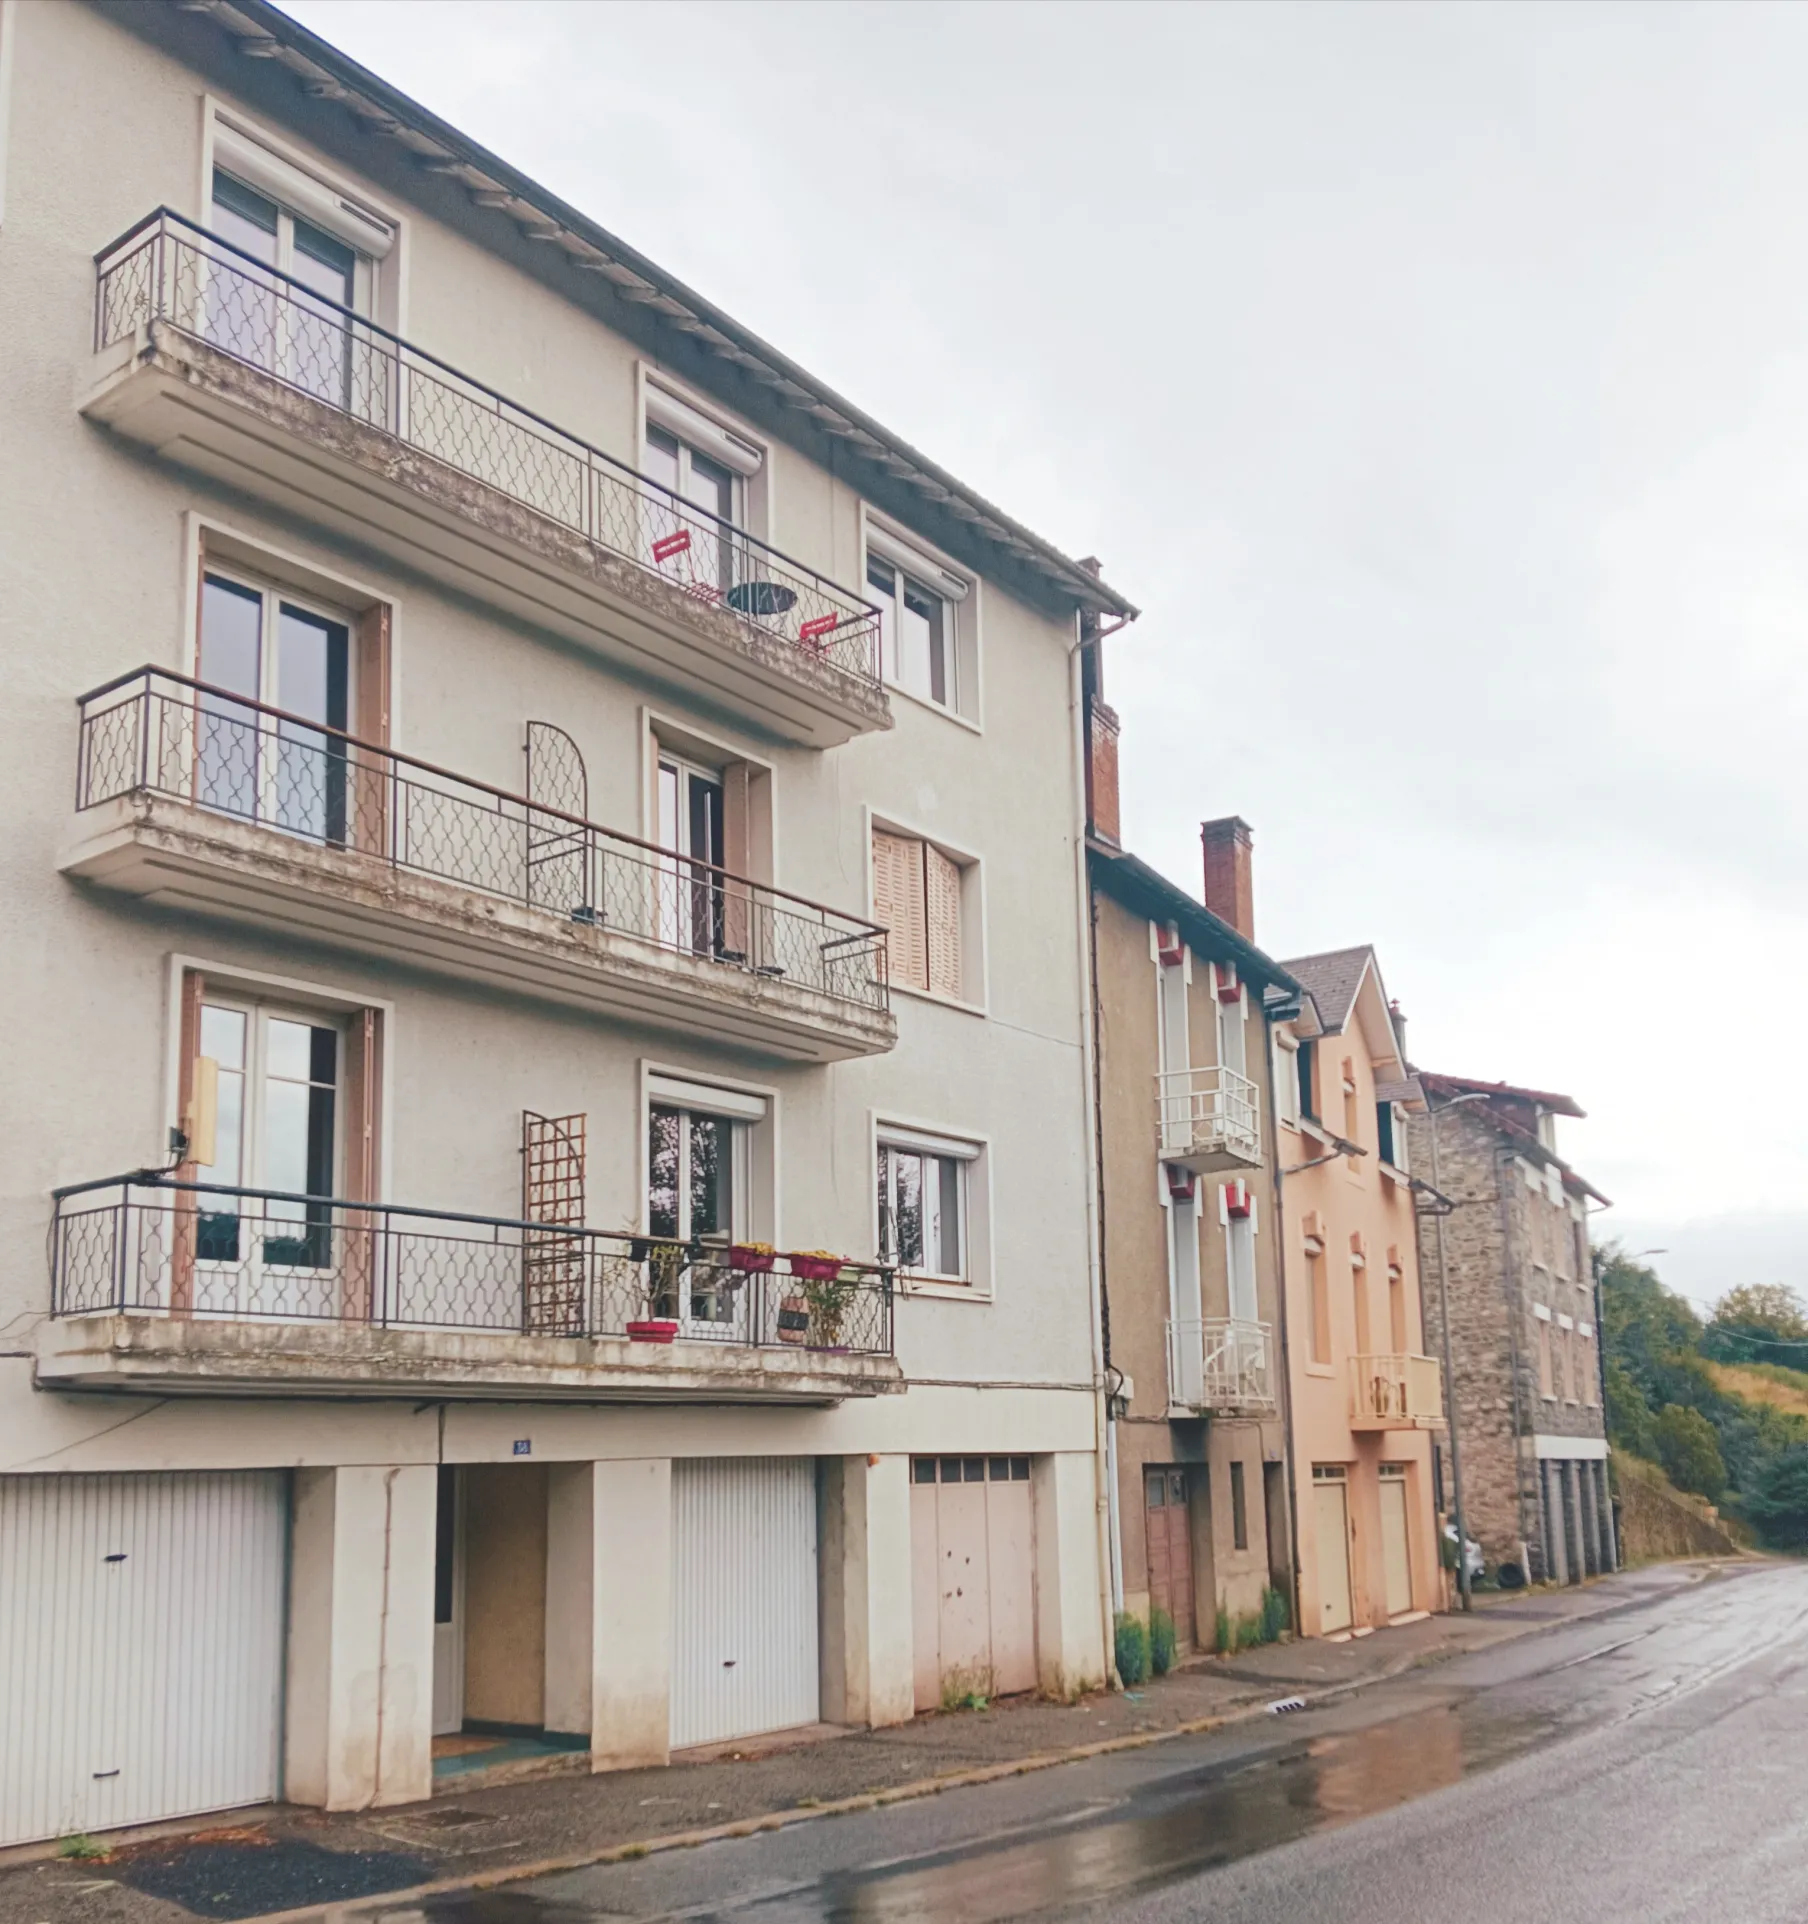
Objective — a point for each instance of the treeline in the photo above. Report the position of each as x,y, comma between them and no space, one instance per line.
1668,1399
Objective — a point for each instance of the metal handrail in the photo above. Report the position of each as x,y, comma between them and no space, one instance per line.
798,604
1209,1101
158,733
1234,1374
165,1245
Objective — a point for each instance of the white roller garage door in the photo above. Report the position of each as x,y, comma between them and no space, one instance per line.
744,1601
141,1622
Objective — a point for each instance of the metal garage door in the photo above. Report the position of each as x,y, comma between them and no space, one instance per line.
973,1560
744,1600
141,1625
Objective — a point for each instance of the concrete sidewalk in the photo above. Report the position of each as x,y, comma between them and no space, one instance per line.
271,1860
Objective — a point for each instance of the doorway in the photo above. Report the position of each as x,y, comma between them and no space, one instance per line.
1331,1520
1396,1546
1168,1534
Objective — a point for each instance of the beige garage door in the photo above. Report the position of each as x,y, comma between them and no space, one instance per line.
1396,1549
973,1561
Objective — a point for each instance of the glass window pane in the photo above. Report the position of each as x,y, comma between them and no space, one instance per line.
920,664
232,625
711,1147
244,217
322,1104
223,1036
662,458
287,1048
910,1208
662,1172
313,659
311,662
710,486
228,1165
882,587
950,1262
886,1251
285,1136
232,622
323,264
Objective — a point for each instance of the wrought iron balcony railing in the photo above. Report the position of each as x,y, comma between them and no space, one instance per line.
1210,1112
1220,1363
1396,1392
168,270
162,735
148,1244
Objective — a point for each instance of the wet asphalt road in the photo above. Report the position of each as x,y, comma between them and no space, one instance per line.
1650,1764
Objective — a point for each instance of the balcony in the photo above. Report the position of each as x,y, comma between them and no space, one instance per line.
1396,1393
200,800
1221,1366
1208,1119
227,366
163,1287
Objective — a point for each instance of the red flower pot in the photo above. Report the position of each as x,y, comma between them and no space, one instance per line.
754,1262
652,1329
815,1269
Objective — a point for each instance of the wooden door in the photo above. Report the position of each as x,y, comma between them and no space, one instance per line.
1168,1535
1331,1515
1396,1556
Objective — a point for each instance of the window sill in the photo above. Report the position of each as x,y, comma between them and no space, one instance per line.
943,1291
937,1001
896,689
1327,1370
1394,1173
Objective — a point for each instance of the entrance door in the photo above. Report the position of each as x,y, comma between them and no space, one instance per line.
745,1611
1331,1518
141,1620
693,826
1168,1535
1396,1557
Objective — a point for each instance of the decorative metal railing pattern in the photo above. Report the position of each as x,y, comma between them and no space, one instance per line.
149,1244
1199,1110
154,733
1396,1390
167,269
1220,1363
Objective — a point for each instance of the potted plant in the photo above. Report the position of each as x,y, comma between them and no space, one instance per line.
828,1300
752,1259
814,1265
665,1263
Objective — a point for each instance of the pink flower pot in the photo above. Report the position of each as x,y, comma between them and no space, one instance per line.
652,1329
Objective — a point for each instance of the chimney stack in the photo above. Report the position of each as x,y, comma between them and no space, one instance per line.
1229,890
1101,775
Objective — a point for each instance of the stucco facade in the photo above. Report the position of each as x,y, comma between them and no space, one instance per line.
136,476
1365,1394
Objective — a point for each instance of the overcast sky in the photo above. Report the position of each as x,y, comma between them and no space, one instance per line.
1435,378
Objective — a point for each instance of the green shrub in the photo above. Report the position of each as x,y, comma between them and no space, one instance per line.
1225,1632
1689,1450
1277,1618
1161,1641
1132,1649
1778,1504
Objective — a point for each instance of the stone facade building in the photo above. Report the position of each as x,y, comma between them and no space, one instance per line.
1523,1327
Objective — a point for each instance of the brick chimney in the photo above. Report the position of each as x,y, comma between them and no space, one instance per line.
1229,891
1101,775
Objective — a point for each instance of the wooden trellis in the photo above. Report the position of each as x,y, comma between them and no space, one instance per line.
552,1192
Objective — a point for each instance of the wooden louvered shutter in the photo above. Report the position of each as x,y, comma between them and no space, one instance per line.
370,797
942,886
898,905
360,1229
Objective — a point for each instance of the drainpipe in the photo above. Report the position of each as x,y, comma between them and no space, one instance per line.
1104,1429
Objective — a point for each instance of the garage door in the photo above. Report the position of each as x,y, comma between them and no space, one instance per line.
1396,1546
744,1602
1331,1539
141,1623
973,1562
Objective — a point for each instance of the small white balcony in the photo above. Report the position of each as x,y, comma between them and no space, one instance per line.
1396,1393
1208,1119
1221,1366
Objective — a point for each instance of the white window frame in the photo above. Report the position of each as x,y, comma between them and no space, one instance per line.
960,1156
1284,1074
1240,1254
959,592
887,1128
754,1107
701,422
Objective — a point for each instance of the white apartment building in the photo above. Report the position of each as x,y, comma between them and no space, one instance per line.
547,1181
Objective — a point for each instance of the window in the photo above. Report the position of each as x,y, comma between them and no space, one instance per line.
917,897
692,901
276,1076
1320,1290
970,1469
1547,1381
1384,1133
274,648
296,332
1352,1106
1240,1264
1239,1508
916,633
1231,1034
1306,1060
692,1186
706,472
1396,1304
1287,1059
923,1206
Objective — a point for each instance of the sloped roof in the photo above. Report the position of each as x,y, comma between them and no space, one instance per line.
1148,892
1332,980
1544,1098
692,328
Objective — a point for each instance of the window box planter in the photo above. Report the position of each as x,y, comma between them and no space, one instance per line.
752,1259
652,1329
814,1265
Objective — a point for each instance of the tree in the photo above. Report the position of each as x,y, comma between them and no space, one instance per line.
1778,1504
1774,1308
1689,1450
1631,1426
1644,1325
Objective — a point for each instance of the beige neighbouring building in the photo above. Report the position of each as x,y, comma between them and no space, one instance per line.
546,885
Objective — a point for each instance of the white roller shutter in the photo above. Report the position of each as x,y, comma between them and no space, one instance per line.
744,1599
141,1624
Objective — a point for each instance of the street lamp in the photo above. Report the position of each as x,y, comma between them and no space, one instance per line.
1456,1449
